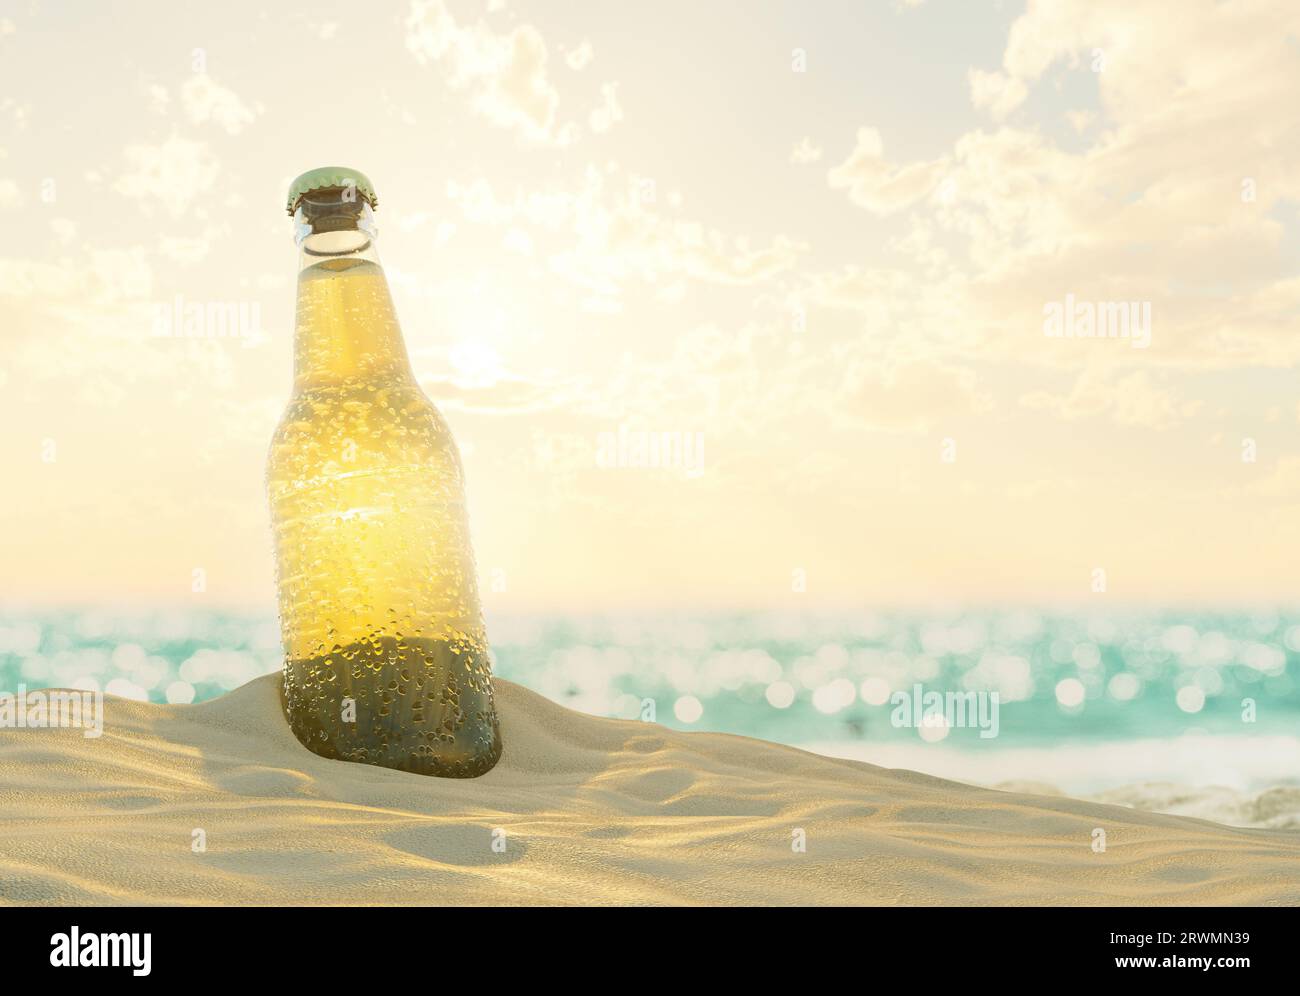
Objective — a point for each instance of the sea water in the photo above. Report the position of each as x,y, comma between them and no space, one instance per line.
1086,702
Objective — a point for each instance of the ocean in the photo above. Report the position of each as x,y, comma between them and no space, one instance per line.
1194,712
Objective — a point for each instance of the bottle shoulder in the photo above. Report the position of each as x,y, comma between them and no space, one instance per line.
365,426
399,400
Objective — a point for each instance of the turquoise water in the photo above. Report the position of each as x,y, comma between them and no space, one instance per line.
1089,699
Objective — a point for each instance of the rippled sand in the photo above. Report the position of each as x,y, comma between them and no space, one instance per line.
581,810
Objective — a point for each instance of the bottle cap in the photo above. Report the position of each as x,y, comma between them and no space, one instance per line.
331,176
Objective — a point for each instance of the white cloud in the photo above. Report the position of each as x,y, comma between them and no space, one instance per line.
517,240
206,100
1080,121
1152,206
171,174
184,250
805,152
159,98
609,113
28,278
1283,481
612,237
909,395
997,93
1132,400
878,186
64,229
579,58
18,112
505,72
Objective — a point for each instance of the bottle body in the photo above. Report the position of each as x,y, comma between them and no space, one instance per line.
386,655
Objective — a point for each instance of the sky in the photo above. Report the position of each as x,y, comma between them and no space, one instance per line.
822,243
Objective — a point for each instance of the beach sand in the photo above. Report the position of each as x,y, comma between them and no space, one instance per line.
592,810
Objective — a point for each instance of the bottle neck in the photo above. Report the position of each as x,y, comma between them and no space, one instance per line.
346,333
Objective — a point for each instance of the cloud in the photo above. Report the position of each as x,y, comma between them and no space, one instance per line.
908,395
996,93
97,278
730,382
474,378
1282,482
609,235
86,325
170,175
505,72
609,113
1080,121
1183,197
507,396
10,195
579,58
206,100
184,249
805,152
1133,400
31,278
876,185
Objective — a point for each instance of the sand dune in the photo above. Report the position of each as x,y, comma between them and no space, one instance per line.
593,811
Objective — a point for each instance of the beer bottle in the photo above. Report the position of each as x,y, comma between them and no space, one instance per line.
386,655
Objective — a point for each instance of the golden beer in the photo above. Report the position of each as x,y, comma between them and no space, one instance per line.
386,655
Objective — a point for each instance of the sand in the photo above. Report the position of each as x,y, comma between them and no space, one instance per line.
592,811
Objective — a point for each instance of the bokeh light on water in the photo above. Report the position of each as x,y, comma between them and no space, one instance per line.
798,679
